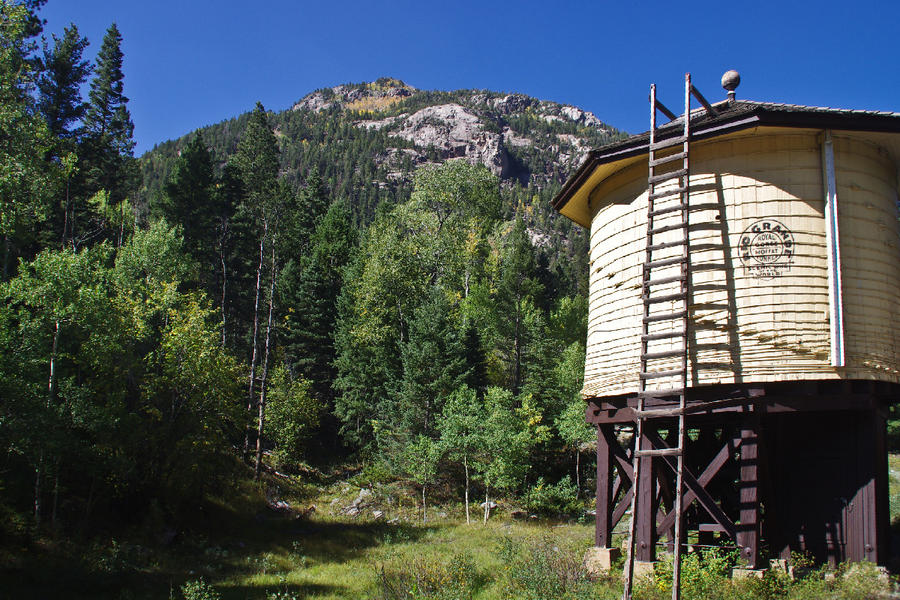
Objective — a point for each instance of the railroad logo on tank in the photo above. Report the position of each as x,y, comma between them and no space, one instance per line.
766,249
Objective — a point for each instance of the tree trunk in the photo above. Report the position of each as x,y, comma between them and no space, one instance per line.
51,384
424,517
224,281
250,397
265,369
487,505
6,244
37,488
466,467
577,473
55,498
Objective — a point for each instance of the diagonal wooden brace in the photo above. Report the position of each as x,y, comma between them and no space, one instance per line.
697,489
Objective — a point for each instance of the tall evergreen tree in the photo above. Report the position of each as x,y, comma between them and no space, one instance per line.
108,159
257,160
517,295
191,201
434,366
310,294
64,70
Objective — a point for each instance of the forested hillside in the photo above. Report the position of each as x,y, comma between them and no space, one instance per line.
372,276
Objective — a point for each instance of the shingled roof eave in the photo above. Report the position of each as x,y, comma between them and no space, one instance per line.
745,115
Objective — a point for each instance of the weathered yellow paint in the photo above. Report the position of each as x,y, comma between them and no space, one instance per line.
748,324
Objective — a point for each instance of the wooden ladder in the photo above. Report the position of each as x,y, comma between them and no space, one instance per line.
665,294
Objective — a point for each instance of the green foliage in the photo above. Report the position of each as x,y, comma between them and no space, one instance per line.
108,129
199,589
459,578
556,499
64,72
293,416
544,572
27,179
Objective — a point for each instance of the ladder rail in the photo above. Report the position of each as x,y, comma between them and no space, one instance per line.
656,201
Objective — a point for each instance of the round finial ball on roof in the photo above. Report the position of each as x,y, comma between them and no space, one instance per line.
730,80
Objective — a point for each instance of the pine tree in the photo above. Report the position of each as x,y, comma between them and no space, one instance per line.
310,293
64,71
191,201
257,160
434,366
108,162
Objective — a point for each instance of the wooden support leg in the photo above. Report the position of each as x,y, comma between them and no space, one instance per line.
645,525
748,529
604,508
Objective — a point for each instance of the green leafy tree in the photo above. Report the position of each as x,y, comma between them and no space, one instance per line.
420,461
27,179
54,301
293,416
512,428
462,431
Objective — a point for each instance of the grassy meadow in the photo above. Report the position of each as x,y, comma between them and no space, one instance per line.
282,540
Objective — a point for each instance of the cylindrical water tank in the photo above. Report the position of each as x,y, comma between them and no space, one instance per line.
762,303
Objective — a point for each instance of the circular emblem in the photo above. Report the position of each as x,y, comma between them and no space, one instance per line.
766,249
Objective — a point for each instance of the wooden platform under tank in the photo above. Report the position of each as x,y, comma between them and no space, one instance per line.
786,466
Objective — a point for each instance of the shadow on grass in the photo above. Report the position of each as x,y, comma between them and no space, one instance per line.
269,543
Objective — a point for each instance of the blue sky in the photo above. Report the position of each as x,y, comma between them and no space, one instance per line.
195,62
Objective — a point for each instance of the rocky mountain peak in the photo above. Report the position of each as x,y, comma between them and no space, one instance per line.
490,128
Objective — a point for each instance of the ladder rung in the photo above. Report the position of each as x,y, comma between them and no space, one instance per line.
666,176
666,354
659,374
665,245
668,228
663,280
665,335
659,452
668,143
664,262
666,316
668,209
679,190
663,393
666,298
658,412
667,159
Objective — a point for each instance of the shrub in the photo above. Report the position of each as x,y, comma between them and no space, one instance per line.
544,572
558,499
458,579
198,589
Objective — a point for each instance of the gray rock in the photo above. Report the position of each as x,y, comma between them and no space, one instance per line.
493,505
378,514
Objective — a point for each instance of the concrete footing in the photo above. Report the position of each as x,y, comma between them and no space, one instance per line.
745,573
599,560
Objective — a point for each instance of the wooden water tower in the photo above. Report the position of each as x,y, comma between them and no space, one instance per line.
744,327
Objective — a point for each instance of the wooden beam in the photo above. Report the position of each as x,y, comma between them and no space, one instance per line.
622,459
645,506
603,529
621,508
709,472
748,529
